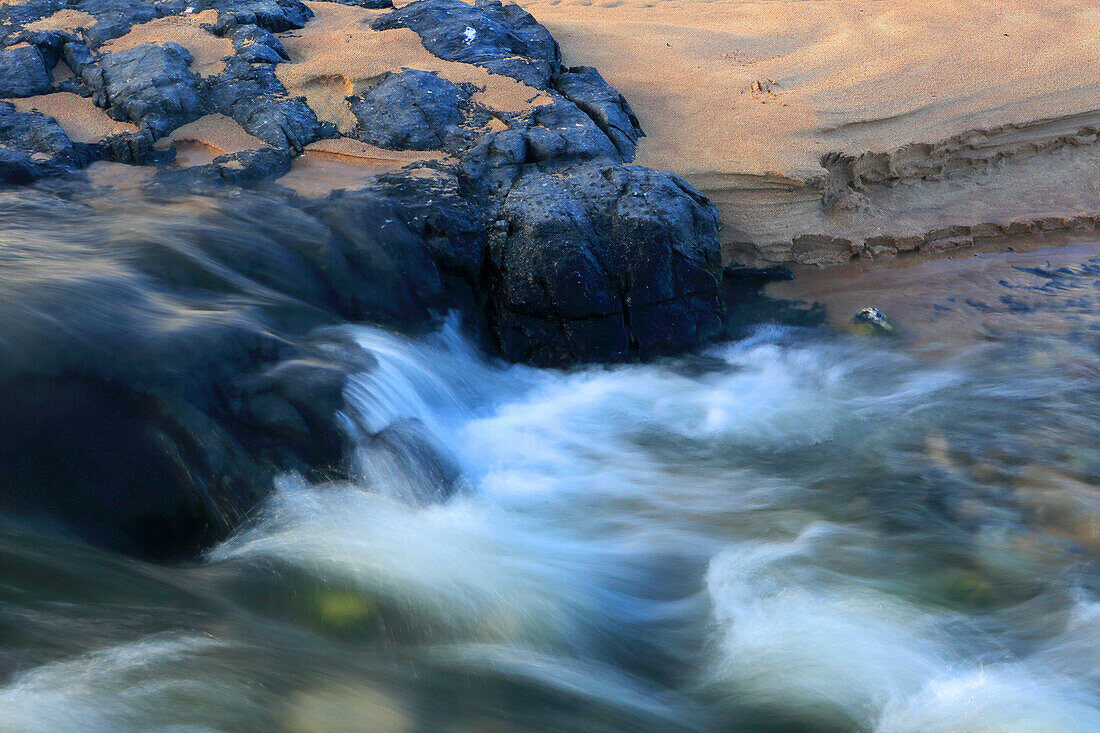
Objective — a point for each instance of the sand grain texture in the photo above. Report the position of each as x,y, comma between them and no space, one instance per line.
745,98
63,20
78,116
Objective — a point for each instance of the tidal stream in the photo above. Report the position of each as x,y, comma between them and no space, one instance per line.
802,529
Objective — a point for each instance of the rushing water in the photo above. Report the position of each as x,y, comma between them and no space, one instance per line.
798,530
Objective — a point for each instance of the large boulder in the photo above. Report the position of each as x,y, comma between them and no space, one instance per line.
602,263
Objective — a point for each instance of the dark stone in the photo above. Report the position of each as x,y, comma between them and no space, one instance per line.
114,18
154,383
150,84
276,16
285,122
412,110
23,72
382,250
257,45
14,15
445,214
584,87
600,263
504,39
369,4
404,453
255,98
77,55
550,137
18,167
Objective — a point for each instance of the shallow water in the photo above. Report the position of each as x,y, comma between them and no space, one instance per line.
799,530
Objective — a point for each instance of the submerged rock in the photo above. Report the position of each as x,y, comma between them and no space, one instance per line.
872,321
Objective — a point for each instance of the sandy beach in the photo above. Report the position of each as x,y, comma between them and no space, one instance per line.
842,122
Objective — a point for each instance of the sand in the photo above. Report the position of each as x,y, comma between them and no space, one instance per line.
207,49
744,98
216,131
330,165
337,55
63,20
201,141
78,116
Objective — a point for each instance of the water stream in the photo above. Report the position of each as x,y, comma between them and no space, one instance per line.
799,530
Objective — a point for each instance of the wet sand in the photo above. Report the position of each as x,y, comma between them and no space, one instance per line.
951,299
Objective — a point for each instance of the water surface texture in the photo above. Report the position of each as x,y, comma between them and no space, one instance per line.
800,530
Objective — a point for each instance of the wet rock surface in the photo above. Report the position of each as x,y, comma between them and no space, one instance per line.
195,337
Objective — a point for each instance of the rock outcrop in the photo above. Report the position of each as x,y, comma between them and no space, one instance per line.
174,362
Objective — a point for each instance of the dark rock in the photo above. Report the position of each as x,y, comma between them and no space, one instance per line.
412,110
283,122
255,98
442,211
132,149
370,4
114,18
18,167
276,16
584,87
405,458
150,84
382,250
562,133
23,72
599,263
77,55
257,45
253,165
551,136
504,39
35,146
48,43
152,384
872,321
14,15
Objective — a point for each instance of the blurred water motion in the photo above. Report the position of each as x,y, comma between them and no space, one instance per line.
800,530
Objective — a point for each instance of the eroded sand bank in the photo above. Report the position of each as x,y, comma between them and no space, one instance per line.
825,130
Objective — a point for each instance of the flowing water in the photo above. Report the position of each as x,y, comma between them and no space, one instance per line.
801,529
